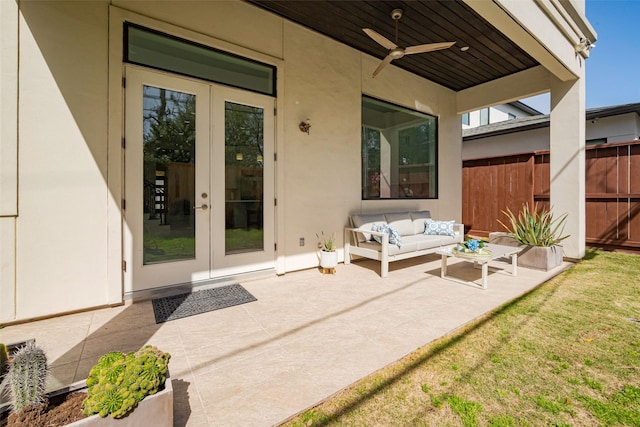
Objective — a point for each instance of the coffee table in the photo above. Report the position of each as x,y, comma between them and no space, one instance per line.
497,251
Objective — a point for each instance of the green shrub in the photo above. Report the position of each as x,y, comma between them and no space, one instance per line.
118,382
535,227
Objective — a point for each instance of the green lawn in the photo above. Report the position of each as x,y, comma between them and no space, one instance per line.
566,354
179,244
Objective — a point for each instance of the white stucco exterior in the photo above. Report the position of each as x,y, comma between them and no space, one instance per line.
62,185
625,127
608,129
496,114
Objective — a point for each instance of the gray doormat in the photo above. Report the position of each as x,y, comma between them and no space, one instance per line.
189,304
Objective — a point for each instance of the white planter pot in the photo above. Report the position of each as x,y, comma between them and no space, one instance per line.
328,259
155,410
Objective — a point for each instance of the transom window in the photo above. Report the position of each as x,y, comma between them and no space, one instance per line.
161,51
399,152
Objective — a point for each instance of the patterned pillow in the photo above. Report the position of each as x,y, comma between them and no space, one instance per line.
394,236
439,228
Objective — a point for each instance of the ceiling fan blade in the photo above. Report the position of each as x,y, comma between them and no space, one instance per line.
381,40
384,62
422,48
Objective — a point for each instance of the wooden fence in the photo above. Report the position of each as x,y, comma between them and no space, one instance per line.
612,187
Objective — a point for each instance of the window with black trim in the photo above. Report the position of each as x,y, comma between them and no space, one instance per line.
399,152
168,53
596,141
465,119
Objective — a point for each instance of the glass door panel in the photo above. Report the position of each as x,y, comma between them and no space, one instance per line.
169,153
167,182
244,178
243,170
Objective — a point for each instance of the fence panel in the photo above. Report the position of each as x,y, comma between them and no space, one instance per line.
612,192
493,185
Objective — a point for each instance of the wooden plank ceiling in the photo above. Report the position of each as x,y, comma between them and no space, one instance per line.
491,55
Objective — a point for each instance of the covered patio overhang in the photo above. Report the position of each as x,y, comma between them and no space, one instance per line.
504,51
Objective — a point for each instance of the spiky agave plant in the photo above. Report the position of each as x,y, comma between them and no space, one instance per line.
28,377
535,227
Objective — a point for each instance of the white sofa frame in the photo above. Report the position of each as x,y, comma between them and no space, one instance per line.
382,255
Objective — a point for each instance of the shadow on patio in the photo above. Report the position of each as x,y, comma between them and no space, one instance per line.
306,337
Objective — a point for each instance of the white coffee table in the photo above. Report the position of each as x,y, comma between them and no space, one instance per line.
497,251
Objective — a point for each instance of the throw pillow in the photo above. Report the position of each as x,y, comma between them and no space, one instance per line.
394,236
439,228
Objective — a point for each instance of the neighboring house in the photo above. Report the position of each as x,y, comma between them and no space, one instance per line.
497,113
617,123
147,147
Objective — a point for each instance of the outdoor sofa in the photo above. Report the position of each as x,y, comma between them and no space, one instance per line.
393,236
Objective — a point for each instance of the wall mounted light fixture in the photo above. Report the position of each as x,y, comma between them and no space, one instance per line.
305,125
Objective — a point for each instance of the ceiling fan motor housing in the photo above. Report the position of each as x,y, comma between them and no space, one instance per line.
396,53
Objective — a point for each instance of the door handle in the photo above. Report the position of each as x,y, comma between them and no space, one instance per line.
204,207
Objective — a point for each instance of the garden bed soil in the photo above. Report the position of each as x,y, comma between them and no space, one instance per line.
58,412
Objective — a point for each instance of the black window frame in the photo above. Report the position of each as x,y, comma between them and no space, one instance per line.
435,161
126,58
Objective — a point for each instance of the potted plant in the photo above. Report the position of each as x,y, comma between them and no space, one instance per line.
538,233
328,254
122,390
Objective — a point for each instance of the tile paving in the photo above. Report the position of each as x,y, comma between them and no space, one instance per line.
306,337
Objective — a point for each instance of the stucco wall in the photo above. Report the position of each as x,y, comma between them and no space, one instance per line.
323,168
504,145
624,127
60,230
67,257
620,128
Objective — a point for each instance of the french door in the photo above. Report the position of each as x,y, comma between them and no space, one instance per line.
199,181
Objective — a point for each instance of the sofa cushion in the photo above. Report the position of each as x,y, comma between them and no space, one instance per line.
394,236
439,228
393,249
424,241
364,222
418,219
401,221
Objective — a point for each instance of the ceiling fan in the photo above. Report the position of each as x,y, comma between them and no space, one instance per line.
396,52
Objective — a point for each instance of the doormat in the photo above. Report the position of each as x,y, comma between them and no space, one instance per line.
192,303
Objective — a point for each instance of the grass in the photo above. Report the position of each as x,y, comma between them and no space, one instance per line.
180,244
567,354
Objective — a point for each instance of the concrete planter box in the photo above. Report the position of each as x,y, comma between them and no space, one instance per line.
536,257
155,410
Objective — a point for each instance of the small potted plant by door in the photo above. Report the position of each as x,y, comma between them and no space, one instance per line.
538,233
328,254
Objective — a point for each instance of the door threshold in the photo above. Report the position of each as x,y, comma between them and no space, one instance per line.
183,288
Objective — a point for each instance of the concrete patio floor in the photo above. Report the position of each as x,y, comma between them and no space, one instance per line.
306,337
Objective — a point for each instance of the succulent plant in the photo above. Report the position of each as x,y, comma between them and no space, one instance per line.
118,382
27,377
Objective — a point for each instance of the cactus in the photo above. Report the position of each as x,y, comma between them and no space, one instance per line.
118,382
28,377
3,359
